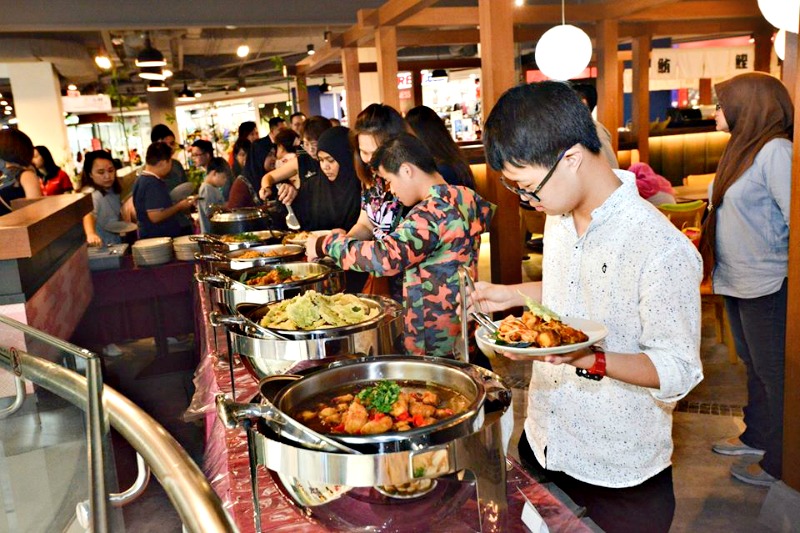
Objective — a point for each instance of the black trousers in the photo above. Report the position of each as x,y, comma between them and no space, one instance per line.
645,508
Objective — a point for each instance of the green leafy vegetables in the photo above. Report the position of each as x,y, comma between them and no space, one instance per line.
381,396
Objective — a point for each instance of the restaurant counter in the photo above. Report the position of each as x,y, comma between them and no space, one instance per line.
44,268
227,467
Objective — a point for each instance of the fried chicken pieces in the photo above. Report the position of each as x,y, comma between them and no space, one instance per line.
543,334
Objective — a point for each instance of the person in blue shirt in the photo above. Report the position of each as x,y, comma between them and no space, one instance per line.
745,246
155,211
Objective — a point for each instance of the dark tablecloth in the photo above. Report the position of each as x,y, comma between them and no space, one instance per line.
139,302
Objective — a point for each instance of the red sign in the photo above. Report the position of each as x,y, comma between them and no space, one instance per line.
404,80
406,95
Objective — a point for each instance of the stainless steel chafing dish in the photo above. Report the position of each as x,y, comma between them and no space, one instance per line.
210,243
266,352
226,289
470,449
233,260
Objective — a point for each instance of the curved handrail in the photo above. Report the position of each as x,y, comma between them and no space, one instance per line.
198,506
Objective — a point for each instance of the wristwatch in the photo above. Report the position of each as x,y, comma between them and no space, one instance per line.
598,370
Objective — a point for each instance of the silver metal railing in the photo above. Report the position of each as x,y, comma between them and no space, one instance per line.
199,508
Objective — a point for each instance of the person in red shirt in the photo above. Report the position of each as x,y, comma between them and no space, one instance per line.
52,178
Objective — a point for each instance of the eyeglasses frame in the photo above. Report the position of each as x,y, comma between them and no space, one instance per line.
534,195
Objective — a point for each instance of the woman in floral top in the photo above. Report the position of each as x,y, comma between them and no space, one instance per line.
440,233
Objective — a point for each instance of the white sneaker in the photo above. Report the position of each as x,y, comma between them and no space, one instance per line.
112,350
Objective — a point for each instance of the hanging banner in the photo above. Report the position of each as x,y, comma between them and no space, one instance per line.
696,63
88,103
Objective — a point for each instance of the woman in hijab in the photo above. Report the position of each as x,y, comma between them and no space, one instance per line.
653,187
331,199
745,243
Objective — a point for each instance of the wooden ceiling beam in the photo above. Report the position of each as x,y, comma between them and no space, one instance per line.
551,14
394,12
434,38
614,9
692,27
697,10
442,16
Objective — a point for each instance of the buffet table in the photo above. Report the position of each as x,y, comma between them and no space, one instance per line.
227,467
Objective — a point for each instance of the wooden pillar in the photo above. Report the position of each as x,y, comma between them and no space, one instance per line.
386,48
352,82
705,96
640,97
416,80
791,400
302,94
497,76
763,49
608,89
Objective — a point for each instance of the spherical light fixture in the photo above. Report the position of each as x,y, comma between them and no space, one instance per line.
780,44
243,50
783,14
149,56
563,52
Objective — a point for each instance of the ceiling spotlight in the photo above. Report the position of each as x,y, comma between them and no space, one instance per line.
103,61
186,94
197,95
167,73
241,86
3,102
156,87
324,87
310,50
72,87
327,36
285,71
149,56
243,50
519,3
152,73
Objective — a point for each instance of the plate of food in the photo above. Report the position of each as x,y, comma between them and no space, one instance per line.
539,332
300,237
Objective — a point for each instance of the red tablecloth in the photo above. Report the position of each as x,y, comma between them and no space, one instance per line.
139,302
227,467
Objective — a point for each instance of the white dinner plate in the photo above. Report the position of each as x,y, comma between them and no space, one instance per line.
594,330
301,237
120,226
184,190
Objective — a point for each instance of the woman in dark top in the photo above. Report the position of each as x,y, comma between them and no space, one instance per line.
331,198
54,180
17,178
450,161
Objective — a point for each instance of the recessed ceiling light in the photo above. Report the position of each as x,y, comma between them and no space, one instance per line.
72,87
310,50
103,61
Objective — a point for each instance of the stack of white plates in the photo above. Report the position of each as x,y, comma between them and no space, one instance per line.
185,248
149,252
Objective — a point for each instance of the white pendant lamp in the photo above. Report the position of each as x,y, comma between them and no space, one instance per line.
564,51
780,44
783,14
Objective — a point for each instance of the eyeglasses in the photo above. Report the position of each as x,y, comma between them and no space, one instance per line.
534,195
719,106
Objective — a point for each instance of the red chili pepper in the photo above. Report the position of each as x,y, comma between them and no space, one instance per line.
419,420
402,417
339,428
376,416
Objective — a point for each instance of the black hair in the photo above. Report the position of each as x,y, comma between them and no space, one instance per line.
160,132
86,174
430,129
218,164
205,146
275,121
298,114
531,124
381,121
315,126
16,147
587,92
241,144
158,152
403,148
51,170
246,128
287,138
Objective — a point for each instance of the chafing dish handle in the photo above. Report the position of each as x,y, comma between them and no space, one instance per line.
216,319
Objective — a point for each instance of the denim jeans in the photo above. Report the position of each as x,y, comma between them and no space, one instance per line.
758,326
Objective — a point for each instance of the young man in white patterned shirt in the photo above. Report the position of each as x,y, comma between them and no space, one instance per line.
599,421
